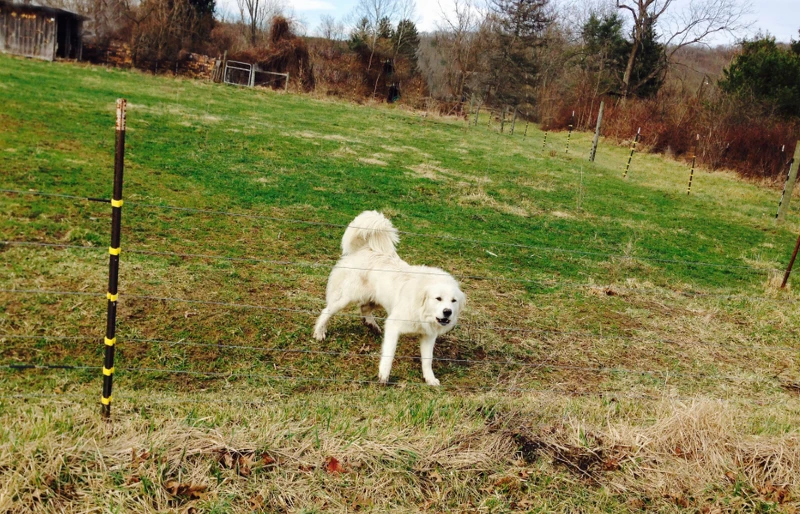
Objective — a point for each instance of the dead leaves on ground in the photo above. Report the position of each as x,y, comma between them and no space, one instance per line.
333,466
244,462
186,491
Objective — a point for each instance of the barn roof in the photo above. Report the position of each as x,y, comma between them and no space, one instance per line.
36,6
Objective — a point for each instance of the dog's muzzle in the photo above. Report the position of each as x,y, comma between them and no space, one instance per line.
443,321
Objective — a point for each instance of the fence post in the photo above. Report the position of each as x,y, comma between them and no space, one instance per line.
503,120
113,261
524,134
694,161
569,134
544,141
597,132
791,263
514,121
786,197
633,147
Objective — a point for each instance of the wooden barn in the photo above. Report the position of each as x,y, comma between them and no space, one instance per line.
40,32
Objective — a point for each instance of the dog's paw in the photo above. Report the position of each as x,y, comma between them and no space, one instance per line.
432,381
319,335
373,327
383,379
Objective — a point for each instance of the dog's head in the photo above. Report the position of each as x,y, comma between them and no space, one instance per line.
442,303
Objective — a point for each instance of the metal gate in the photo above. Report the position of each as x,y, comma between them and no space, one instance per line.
238,73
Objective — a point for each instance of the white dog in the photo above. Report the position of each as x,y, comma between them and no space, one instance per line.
418,299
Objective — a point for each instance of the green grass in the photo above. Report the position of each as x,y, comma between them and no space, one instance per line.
624,345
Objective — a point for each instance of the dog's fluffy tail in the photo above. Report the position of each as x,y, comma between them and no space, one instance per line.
370,229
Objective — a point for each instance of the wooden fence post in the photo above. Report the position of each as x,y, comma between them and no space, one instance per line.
786,197
597,132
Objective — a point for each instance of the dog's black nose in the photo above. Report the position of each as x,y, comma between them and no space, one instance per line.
447,313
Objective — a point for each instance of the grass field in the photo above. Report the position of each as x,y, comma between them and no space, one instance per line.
624,346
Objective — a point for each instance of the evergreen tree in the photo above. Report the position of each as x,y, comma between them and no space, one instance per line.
767,74
605,51
405,40
519,31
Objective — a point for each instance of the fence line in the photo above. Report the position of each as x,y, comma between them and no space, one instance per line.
416,234
123,296
184,398
717,377
284,351
332,264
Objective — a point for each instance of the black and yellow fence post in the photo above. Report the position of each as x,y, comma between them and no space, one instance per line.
694,161
569,134
544,141
633,147
113,261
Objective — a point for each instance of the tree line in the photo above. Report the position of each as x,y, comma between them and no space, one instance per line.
649,60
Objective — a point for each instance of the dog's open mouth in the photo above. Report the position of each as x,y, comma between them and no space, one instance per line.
443,321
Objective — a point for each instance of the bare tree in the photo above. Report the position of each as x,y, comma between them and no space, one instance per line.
693,24
255,14
329,28
458,43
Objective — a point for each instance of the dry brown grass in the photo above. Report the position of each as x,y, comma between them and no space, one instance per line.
436,452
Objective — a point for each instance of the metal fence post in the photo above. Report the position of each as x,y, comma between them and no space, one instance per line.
694,161
113,261
569,134
633,147
791,263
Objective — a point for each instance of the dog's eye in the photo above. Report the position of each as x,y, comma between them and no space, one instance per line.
438,298
454,300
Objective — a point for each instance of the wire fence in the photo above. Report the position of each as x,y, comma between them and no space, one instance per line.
415,234
327,265
543,365
607,396
465,323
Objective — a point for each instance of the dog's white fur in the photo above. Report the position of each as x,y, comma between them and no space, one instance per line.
418,299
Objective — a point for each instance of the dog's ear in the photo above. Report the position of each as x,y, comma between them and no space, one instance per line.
461,297
423,297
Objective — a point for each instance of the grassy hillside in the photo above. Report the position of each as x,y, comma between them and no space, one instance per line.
624,346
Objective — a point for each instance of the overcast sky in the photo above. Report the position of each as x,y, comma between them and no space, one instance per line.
781,18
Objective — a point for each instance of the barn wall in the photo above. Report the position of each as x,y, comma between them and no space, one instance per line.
28,34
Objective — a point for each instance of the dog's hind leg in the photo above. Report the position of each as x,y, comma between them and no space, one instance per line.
426,354
387,350
322,322
368,318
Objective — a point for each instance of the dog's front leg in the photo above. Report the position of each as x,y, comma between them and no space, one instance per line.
392,333
426,354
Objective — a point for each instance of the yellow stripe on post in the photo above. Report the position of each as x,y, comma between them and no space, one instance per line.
114,251
108,372
105,401
112,297
110,342
116,203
